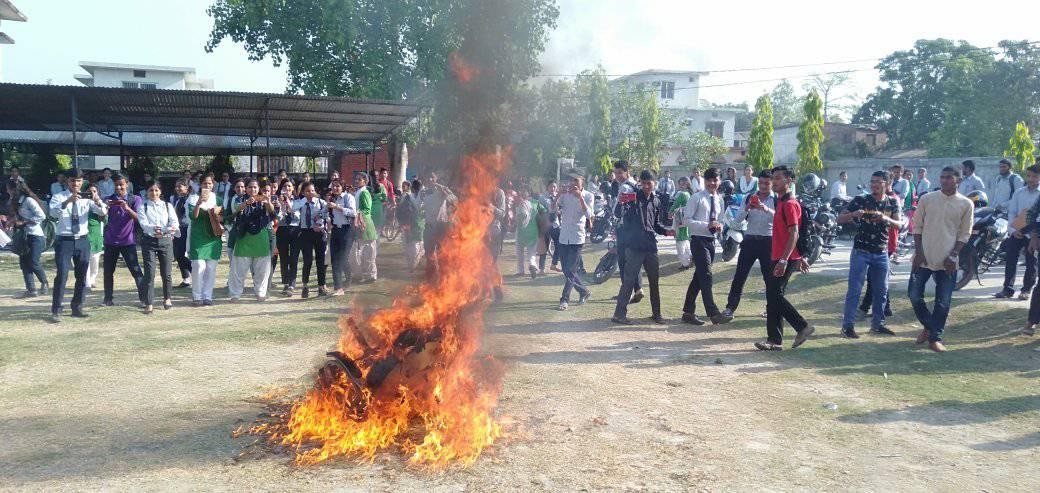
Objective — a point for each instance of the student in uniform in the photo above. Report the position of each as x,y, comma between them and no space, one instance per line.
71,246
237,195
28,215
410,217
121,238
313,214
367,234
159,226
343,207
287,235
179,200
252,251
96,237
204,243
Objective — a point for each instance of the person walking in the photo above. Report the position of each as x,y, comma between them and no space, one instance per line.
877,215
682,231
313,213
642,215
941,227
28,215
204,241
549,229
1018,241
702,217
575,211
343,207
252,253
71,246
380,201
410,217
527,233
758,210
666,185
970,182
785,260
159,225
627,188
121,238
180,242
437,204
367,234
96,237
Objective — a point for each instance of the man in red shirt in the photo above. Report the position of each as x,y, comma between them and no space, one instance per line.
786,259
384,179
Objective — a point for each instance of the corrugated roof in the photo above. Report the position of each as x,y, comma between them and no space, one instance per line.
49,108
153,144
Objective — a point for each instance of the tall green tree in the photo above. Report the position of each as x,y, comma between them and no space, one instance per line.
760,142
1020,146
828,86
787,106
810,135
651,135
596,130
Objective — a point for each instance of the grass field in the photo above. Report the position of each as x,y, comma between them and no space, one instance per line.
123,400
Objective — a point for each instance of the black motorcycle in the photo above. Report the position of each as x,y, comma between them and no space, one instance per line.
824,227
983,249
600,221
608,264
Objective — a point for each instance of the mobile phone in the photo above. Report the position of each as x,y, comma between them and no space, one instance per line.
625,198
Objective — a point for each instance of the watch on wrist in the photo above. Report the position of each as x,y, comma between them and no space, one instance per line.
782,261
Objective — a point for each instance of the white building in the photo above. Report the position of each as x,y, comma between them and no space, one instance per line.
140,76
8,12
678,91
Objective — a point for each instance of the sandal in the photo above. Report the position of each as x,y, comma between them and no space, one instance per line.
768,346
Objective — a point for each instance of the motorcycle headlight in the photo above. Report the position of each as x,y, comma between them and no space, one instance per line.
826,219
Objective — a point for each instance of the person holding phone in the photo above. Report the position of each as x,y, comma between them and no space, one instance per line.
702,215
313,213
252,251
575,210
343,209
627,187
71,245
121,238
159,226
179,200
878,216
758,211
643,217
204,241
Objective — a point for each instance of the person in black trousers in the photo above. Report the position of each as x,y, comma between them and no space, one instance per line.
642,219
180,243
343,210
702,215
313,214
159,225
286,236
71,245
121,238
626,187
758,210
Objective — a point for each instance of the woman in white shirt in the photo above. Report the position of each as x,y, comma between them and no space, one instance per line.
160,224
28,215
748,183
343,207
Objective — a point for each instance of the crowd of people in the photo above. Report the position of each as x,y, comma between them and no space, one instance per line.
264,225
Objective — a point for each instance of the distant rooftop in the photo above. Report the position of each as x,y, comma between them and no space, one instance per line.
90,66
9,12
660,72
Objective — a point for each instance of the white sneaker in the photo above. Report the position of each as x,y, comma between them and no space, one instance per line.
562,307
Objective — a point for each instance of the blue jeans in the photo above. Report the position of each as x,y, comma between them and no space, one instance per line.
569,255
74,253
862,264
935,320
30,264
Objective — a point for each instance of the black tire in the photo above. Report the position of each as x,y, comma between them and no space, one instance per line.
730,249
605,268
966,269
814,251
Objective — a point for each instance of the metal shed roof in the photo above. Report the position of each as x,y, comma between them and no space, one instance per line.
251,115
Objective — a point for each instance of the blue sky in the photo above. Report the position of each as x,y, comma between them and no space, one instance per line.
624,35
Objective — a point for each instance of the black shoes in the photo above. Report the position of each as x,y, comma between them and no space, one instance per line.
533,271
659,320
1004,293
79,314
849,333
803,336
584,298
721,318
323,291
881,329
692,319
636,298
621,320
306,293
108,303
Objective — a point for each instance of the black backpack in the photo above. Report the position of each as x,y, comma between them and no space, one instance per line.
803,244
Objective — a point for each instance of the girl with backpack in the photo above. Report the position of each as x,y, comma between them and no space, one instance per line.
28,221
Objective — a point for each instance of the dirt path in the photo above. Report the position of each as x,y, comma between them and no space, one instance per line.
132,403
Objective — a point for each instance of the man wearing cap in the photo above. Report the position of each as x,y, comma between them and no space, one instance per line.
71,245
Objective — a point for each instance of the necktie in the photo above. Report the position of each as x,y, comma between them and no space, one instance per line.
711,213
308,215
75,218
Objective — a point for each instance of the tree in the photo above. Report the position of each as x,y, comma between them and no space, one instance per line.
826,86
699,149
760,142
1021,147
810,135
787,106
651,135
596,136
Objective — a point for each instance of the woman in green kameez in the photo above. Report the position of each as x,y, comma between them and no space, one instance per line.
379,196
527,232
682,233
367,236
96,235
204,244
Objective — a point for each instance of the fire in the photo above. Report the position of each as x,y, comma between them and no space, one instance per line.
464,71
417,383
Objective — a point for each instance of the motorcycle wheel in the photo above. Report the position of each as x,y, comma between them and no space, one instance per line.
598,237
966,269
605,269
815,252
730,249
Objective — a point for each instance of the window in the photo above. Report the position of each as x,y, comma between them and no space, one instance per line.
667,90
147,86
130,85
872,140
139,85
139,74
714,128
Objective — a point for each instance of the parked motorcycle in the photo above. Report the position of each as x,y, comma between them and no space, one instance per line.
824,227
600,220
983,249
608,264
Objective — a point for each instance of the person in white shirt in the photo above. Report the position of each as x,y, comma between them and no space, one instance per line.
343,206
696,182
748,184
27,215
1003,186
59,184
410,217
159,225
106,187
839,190
1017,241
923,186
758,211
287,235
313,214
575,209
970,181
224,188
71,245
702,215
204,241
666,186
900,185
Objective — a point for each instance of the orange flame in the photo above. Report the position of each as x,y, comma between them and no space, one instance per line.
437,405
463,70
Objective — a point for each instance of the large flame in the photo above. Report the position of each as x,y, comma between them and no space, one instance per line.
437,404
